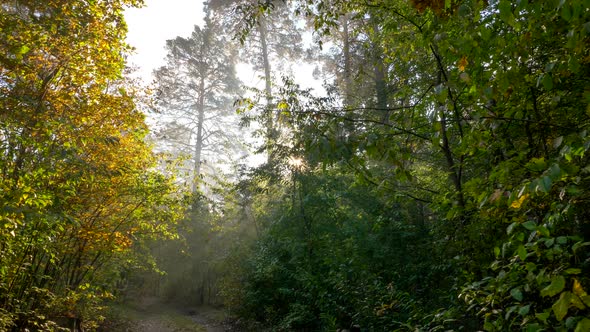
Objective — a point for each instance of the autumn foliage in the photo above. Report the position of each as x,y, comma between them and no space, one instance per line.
78,187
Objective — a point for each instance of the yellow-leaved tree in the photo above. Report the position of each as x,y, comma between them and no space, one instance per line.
79,190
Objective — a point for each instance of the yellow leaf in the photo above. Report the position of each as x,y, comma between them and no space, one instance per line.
517,203
577,288
283,105
462,63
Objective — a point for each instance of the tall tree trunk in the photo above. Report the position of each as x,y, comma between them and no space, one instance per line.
265,59
199,139
380,73
347,61
270,130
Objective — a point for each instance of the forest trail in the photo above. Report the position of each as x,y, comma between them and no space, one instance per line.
151,315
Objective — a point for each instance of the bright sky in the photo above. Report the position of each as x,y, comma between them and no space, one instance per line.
159,20
150,27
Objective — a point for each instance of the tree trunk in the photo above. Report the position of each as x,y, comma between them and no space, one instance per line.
455,171
199,139
347,62
265,59
270,130
380,74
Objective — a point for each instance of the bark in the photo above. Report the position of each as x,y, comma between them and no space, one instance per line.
455,170
199,138
202,67
266,62
347,62
270,126
380,75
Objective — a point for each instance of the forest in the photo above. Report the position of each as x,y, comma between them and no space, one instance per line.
435,177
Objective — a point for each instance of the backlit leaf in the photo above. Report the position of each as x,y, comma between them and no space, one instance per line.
561,306
556,286
518,203
522,253
462,63
577,287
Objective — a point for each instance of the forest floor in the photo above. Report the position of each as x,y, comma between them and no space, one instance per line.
151,315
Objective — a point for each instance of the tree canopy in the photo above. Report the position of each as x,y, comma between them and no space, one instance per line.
439,183
473,140
79,189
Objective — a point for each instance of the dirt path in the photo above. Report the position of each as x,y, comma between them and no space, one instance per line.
149,315
208,317
157,324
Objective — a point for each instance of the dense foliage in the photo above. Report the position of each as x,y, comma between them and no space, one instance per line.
441,184
78,188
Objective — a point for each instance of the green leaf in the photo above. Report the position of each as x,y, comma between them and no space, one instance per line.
523,311
542,278
561,306
570,322
573,271
549,242
566,12
543,231
556,286
516,294
583,325
533,327
547,81
521,251
530,225
577,302
506,14
543,316
537,164
23,50
574,64
545,184
578,245
510,228
555,172
531,266
510,311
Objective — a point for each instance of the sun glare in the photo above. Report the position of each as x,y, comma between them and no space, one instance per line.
296,162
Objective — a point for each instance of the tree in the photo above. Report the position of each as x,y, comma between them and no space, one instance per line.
196,89
78,192
269,38
484,146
